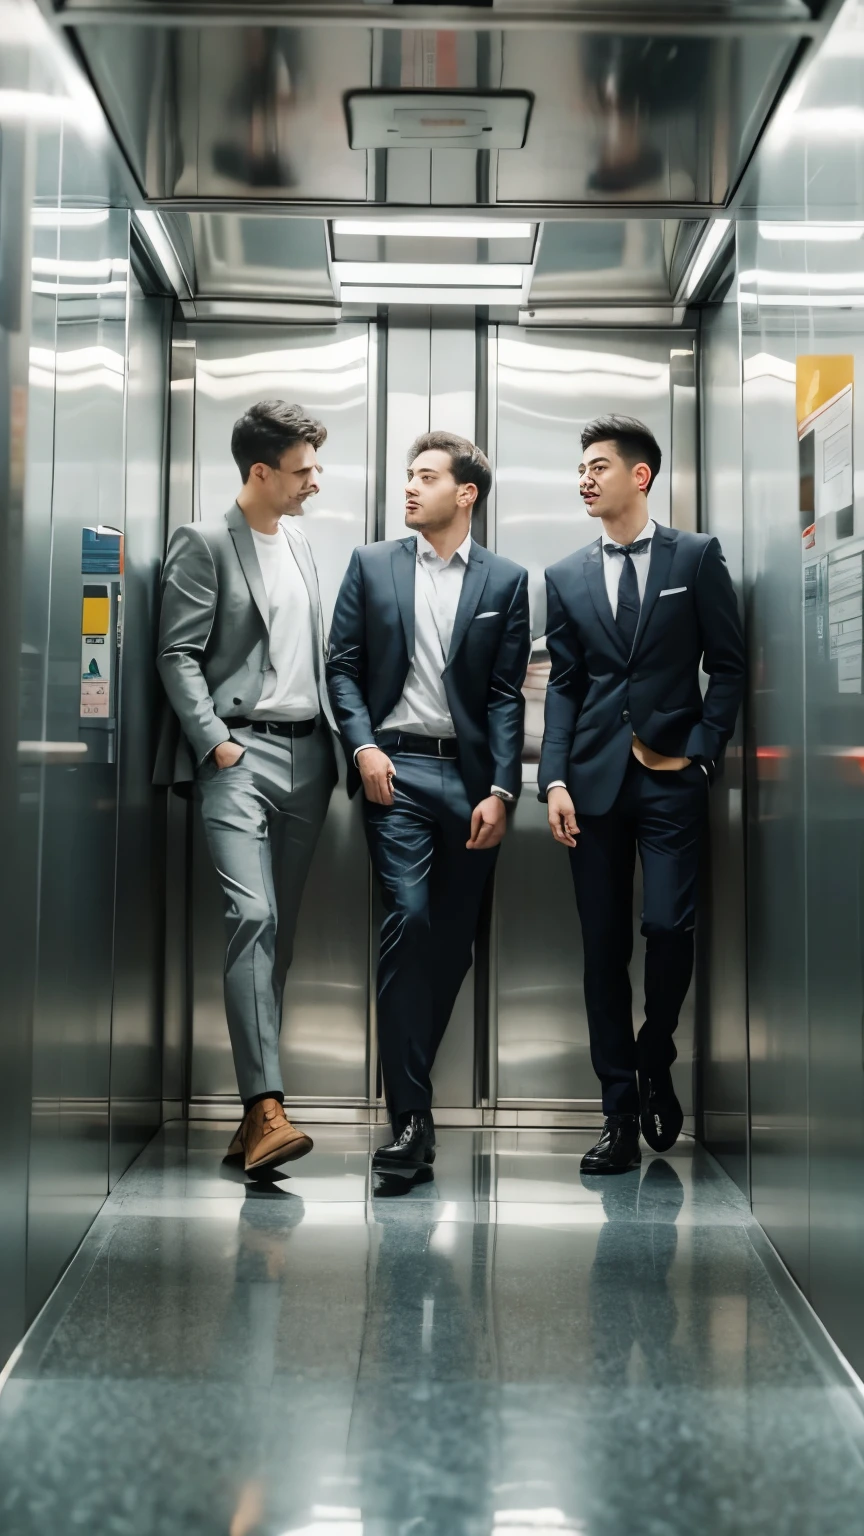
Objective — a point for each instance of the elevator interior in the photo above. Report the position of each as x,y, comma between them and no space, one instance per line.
215,213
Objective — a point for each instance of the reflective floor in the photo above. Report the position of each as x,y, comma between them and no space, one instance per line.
504,1352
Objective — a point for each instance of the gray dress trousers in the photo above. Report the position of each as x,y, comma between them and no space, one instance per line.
262,818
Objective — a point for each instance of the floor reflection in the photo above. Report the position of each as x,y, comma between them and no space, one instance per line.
504,1350
628,1294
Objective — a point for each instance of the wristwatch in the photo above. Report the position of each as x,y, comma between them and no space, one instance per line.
503,794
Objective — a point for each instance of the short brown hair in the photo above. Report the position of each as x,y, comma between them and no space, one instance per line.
468,463
269,429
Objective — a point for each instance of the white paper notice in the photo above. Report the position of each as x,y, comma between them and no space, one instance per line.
845,622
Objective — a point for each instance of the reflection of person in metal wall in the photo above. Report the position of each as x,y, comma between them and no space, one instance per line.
638,83
263,104
629,749
428,651
241,658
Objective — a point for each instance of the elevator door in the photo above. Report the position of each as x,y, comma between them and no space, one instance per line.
546,386
324,1038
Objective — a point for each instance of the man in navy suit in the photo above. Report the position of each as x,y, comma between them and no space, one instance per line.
629,751
428,653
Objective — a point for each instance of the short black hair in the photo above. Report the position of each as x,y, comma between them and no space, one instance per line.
634,441
269,429
469,463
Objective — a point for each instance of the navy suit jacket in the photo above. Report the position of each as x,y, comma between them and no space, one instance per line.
372,643
598,695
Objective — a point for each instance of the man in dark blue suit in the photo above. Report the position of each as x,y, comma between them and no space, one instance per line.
629,751
428,653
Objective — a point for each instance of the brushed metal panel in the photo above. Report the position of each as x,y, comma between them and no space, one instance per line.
652,119
72,1017
621,260
722,1096
548,385
324,1039
29,175
776,860
176,1014
409,362
136,1029
808,162
223,112
834,844
254,256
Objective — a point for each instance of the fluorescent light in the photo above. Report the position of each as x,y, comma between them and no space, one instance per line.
806,300
385,295
434,229
68,218
78,290
708,249
106,268
425,273
830,122
827,232
827,282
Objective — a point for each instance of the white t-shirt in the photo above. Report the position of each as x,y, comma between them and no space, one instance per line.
290,689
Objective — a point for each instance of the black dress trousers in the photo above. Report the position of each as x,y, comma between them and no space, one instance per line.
433,889
661,814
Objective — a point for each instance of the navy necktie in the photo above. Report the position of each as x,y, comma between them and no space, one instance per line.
629,604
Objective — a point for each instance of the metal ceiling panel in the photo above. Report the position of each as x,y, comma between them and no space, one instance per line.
230,113
644,118
252,256
656,106
625,260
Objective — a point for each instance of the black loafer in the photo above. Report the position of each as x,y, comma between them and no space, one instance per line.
618,1150
413,1148
660,1115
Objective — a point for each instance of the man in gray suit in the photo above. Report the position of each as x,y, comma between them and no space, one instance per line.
242,661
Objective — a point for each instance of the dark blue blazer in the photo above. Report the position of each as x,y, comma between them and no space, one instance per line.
372,643
598,695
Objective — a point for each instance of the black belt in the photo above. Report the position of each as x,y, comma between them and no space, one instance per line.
273,727
418,746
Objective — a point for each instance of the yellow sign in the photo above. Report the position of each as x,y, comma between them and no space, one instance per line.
819,380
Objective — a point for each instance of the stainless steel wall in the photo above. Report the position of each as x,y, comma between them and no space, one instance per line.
68,320
137,1001
805,806
546,386
324,1042
721,978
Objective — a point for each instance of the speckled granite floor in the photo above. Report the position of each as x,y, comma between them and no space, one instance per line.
507,1351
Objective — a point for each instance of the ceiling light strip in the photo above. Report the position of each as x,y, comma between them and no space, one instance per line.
434,229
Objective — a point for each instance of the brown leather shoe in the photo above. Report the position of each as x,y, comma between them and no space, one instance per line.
266,1137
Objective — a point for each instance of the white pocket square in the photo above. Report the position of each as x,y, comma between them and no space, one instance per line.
492,614
671,591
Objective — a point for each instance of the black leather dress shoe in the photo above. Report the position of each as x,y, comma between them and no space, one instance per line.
660,1114
413,1148
617,1151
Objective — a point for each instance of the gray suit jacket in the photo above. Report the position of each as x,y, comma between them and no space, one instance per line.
214,638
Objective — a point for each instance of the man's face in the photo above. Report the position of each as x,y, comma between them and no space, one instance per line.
607,484
297,478
432,498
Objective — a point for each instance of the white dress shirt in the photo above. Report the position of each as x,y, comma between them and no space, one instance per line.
422,708
290,690
613,565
